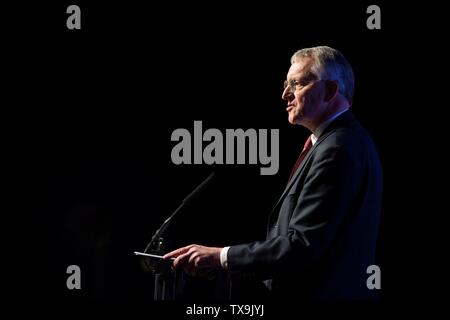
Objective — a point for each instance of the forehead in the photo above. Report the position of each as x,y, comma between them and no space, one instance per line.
300,68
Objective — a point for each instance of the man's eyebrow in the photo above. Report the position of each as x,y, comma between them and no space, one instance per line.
306,77
295,77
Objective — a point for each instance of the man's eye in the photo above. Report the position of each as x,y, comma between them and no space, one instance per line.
297,84
301,83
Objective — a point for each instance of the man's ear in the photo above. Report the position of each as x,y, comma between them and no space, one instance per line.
331,90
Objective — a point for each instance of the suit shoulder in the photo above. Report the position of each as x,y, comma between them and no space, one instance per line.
350,139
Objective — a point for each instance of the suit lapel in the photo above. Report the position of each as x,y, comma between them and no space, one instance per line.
293,179
344,118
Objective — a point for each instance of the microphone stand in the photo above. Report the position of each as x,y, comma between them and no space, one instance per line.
167,282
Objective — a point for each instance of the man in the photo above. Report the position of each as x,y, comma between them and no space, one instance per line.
322,232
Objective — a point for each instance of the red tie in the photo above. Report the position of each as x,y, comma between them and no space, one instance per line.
306,148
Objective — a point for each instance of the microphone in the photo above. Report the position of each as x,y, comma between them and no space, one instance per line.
187,201
200,188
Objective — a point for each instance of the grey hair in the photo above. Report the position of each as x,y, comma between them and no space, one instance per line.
330,64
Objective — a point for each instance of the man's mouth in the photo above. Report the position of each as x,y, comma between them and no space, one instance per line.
289,108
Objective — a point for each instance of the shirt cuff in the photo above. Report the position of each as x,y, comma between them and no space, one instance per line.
223,257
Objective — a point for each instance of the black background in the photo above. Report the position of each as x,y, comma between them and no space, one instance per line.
87,117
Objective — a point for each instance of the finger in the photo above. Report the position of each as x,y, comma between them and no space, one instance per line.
181,260
192,258
177,252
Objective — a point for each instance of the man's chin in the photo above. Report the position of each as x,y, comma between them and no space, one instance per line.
294,120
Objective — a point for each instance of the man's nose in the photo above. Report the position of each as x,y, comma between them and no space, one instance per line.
287,94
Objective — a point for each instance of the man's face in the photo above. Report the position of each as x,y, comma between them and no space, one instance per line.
305,95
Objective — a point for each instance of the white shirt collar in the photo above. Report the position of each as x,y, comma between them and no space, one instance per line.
321,128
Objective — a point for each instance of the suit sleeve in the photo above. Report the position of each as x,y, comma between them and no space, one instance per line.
329,191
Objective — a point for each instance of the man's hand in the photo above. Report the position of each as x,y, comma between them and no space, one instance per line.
195,258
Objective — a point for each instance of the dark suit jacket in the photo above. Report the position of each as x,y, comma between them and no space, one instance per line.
322,233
